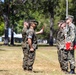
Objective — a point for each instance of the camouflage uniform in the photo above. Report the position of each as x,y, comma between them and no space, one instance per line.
29,56
61,48
69,54
24,47
66,55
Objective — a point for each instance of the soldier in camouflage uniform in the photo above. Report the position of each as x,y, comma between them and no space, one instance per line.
61,45
70,37
30,45
24,44
68,55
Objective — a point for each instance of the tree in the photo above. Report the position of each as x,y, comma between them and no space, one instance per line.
8,8
5,14
72,9
1,28
48,8
47,12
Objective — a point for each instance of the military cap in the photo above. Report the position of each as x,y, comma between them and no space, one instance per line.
69,16
61,22
34,21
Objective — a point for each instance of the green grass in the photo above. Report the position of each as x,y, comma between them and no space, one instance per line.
46,61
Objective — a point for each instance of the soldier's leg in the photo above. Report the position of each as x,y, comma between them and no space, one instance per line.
59,56
72,60
61,59
64,61
31,58
25,58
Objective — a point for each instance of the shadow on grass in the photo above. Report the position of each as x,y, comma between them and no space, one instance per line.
47,45
3,70
39,45
2,50
38,71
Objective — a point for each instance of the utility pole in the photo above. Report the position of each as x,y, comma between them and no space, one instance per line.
66,8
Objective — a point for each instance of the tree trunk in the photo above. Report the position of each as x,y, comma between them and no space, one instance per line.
6,20
12,32
6,39
51,31
51,13
12,36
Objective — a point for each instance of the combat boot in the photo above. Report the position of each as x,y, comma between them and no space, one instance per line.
65,71
29,68
72,71
25,68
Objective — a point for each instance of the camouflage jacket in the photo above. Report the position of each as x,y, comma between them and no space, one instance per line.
61,39
70,36
31,34
24,37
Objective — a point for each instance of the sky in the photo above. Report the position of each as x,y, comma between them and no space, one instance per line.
2,0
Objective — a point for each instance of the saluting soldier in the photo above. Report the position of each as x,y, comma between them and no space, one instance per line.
30,44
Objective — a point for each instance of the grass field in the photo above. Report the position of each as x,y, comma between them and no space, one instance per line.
46,61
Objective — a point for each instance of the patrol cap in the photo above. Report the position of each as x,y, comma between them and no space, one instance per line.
34,21
61,22
69,16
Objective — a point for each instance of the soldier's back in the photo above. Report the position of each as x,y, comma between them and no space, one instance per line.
24,37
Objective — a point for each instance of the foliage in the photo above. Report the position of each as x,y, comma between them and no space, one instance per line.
41,10
1,28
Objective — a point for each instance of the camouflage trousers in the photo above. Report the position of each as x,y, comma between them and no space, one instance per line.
61,59
28,58
64,57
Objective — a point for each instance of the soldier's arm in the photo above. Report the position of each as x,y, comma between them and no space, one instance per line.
72,37
30,36
24,30
39,32
30,42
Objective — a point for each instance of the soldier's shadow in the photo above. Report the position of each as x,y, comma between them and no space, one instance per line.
3,70
2,50
38,71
